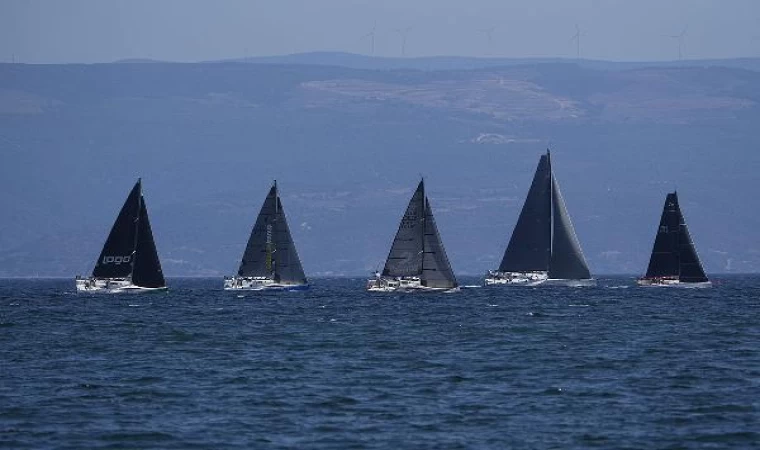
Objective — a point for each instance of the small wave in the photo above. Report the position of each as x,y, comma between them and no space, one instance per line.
617,287
722,409
146,380
133,306
457,379
579,306
240,296
740,436
338,400
471,286
493,306
138,436
91,386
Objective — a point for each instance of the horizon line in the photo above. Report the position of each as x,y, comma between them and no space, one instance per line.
246,59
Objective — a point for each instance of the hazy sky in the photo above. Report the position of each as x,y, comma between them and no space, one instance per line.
55,31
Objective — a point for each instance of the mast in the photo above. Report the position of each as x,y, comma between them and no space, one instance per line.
551,205
272,249
681,224
137,226
424,224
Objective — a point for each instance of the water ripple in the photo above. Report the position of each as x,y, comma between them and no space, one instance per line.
336,368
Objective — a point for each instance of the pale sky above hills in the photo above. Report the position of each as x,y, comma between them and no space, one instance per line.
54,31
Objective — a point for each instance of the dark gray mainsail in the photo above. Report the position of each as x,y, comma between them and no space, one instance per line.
529,248
130,250
417,249
567,261
270,251
544,239
673,253
405,256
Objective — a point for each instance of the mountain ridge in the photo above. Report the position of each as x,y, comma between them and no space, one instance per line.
347,145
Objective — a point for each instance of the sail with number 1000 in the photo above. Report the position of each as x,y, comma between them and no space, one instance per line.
417,261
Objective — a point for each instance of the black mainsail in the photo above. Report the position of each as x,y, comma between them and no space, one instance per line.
129,250
270,251
417,249
530,247
673,254
544,238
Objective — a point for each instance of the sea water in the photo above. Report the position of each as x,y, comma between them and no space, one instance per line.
616,366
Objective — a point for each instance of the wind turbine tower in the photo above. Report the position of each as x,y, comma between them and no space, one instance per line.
577,38
488,32
403,32
680,38
371,36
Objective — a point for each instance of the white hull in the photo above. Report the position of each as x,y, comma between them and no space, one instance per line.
496,278
402,284
260,284
530,279
111,286
671,282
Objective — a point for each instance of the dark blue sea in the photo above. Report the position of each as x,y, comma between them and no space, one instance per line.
611,367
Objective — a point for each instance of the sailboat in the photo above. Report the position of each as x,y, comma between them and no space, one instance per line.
270,261
417,261
128,261
543,249
674,260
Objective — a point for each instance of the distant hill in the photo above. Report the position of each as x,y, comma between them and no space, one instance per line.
347,146
356,61
138,61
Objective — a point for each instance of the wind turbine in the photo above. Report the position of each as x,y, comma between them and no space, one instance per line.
488,32
371,36
403,32
577,38
680,38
